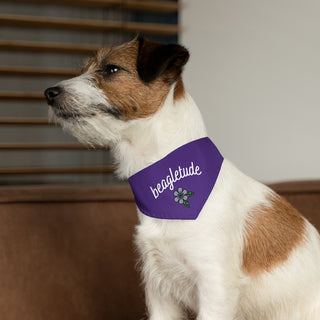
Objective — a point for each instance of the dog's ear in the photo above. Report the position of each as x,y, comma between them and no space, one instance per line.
156,59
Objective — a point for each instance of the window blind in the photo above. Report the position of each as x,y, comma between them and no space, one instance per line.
43,42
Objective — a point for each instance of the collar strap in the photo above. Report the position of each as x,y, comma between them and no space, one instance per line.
178,185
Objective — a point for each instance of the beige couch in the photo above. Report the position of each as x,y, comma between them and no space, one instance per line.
66,252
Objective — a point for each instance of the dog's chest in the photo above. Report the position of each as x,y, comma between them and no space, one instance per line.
165,265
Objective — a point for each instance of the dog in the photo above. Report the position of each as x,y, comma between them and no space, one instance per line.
248,254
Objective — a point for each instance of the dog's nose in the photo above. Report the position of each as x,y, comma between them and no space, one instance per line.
51,94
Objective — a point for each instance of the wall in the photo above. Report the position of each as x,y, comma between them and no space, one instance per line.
255,74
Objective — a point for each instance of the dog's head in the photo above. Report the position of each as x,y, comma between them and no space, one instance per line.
118,85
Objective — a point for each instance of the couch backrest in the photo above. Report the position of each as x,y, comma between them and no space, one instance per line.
67,253
303,195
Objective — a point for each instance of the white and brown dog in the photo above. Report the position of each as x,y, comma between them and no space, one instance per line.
249,255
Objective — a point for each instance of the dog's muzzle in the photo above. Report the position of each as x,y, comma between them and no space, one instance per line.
52,94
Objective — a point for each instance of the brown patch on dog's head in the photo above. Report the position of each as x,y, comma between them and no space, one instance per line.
137,76
179,89
272,232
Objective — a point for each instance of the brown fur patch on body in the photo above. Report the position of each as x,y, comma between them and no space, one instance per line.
125,90
179,92
272,232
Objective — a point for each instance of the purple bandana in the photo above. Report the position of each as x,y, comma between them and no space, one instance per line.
177,186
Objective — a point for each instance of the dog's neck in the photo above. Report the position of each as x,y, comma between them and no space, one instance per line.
146,141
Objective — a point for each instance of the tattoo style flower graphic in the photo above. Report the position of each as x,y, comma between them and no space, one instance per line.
181,196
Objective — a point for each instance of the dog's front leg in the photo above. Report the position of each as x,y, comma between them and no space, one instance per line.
215,305
218,295
161,307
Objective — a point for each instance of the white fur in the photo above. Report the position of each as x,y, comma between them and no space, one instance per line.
197,264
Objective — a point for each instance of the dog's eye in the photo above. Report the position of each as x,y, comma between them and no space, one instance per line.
110,69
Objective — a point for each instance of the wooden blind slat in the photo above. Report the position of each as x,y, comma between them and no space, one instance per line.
38,72
102,169
157,6
21,96
89,25
47,47
24,121
46,146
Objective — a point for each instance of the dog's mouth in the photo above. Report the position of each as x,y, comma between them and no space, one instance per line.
64,113
62,107
66,106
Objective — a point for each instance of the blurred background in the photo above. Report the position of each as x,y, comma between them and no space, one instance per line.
254,73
